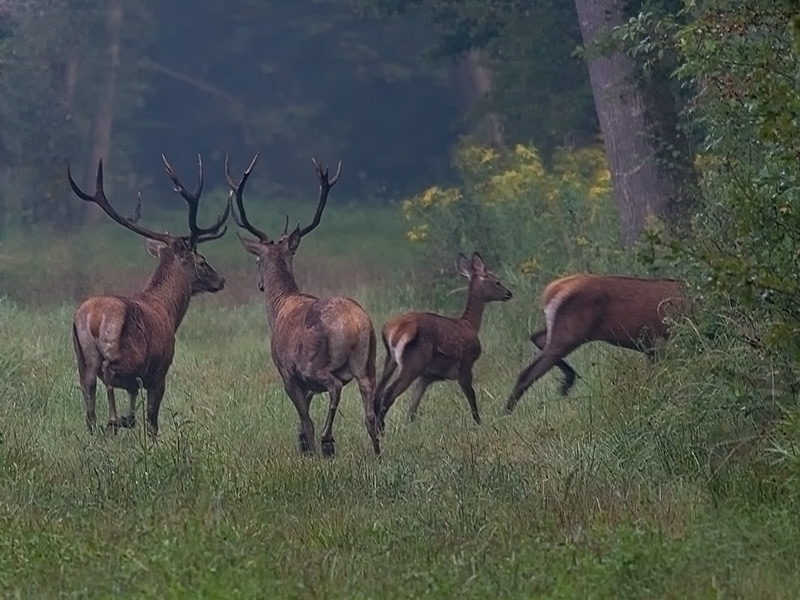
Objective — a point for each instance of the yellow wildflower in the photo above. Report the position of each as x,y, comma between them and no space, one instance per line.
529,266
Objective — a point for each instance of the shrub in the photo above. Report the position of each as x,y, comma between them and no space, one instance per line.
738,61
521,215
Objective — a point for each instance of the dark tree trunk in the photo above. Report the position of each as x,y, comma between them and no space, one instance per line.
475,80
633,120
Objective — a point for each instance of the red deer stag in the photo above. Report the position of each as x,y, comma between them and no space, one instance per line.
129,342
318,344
629,312
429,347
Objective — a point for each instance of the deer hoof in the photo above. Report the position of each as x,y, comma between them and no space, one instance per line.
111,427
304,445
328,450
128,421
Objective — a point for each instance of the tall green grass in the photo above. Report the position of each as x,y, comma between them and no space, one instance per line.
632,487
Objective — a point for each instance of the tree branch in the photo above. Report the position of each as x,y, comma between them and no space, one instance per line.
237,108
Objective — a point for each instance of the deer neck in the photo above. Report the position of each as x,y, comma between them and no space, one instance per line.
170,287
279,286
473,311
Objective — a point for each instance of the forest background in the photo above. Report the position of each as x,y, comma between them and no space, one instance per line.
647,137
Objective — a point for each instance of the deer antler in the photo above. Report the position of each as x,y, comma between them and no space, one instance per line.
100,199
325,185
236,192
197,234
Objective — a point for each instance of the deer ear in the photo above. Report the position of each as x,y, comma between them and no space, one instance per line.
478,266
154,247
294,239
252,246
463,266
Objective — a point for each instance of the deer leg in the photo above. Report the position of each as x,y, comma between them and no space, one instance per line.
398,386
650,353
541,365
539,339
369,398
389,367
113,420
154,395
87,374
129,421
89,389
419,390
465,381
302,400
327,442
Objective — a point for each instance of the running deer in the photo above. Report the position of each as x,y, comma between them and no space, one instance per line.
428,347
129,342
629,312
318,344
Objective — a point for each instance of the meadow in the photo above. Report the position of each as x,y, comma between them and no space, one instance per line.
624,489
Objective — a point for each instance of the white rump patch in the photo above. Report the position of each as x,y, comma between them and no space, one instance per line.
550,311
397,350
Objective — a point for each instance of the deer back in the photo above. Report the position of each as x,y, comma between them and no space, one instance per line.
621,310
314,336
446,336
136,337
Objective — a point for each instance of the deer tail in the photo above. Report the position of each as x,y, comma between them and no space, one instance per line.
398,338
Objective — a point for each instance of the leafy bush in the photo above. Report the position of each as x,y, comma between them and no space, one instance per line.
739,63
521,215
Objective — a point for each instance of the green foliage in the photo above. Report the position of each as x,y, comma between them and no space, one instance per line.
739,59
290,79
540,88
55,63
522,216
296,79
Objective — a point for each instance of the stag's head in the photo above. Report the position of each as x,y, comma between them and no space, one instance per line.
170,249
486,283
274,256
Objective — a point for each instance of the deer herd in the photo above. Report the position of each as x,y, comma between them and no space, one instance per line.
321,344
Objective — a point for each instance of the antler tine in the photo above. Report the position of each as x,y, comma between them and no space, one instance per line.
137,212
100,199
236,192
193,200
217,230
325,185
214,236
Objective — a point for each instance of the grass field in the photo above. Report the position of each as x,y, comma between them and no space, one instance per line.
609,493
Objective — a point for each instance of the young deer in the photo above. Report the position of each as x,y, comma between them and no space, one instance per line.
129,342
429,347
318,344
629,312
